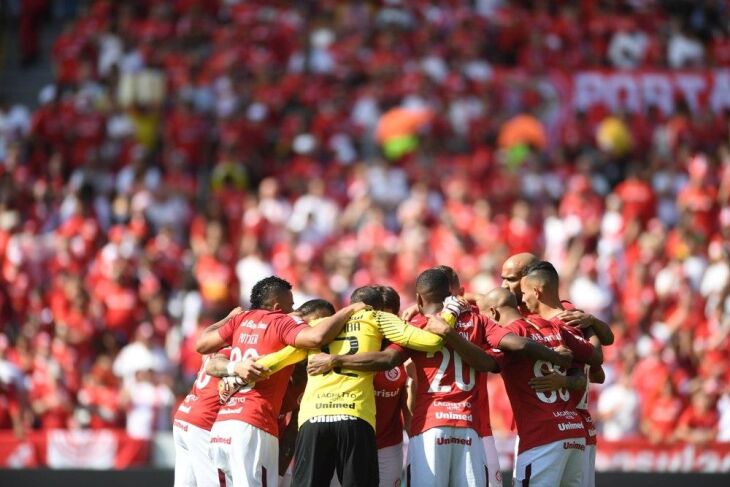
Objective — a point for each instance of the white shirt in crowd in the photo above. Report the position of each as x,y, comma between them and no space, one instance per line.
618,406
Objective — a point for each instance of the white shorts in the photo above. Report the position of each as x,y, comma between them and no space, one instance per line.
589,474
248,456
559,463
390,465
446,456
494,472
193,467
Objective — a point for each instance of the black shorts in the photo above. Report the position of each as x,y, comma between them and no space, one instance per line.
342,444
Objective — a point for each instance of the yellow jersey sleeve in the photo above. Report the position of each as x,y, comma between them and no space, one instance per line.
282,358
400,332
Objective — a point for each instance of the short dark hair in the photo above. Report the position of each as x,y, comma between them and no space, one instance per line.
433,285
391,299
544,271
321,306
369,295
267,289
451,274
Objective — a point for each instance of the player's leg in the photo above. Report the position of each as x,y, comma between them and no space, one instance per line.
589,475
541,466
314,455
494,472
357,454
514,458
184,476
575,462
390,465
219,449
206,474
468,463
429,458
254,457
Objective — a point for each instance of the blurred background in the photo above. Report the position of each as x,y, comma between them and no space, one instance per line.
157,158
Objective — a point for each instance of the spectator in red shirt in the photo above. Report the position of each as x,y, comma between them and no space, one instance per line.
699,422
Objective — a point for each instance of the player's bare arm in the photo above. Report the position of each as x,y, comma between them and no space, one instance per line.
575,380
512,342
247,369
580,319
327,328
471,353
366,361
209,340
596,375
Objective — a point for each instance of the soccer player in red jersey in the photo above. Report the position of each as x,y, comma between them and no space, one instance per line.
552,439
391,406
191,429
243,440
540,294
445,448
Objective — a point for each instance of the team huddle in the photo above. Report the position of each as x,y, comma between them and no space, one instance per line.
317,397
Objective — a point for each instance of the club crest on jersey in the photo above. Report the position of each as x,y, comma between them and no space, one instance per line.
393,374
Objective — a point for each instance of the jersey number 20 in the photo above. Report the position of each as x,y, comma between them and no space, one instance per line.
436,386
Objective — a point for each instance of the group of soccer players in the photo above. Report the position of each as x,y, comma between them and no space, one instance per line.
314,397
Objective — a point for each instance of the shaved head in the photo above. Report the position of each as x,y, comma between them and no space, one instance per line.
500,297
502,304
513,270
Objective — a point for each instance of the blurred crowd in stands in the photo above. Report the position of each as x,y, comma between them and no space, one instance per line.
189,148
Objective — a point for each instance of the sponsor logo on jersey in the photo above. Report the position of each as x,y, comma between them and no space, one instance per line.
224,411
332,418
570,426
336,395
334,405
393,374
454,416
253,325
571,445
184,409
565,414
384,393
452,405
453,441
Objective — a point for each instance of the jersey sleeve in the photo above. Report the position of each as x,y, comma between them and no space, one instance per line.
226,331
493,333
400,332
288,327
582,350
282,358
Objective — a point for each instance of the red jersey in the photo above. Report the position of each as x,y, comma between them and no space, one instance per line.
200,407
579,399
389,396
253,334
541,417
447,388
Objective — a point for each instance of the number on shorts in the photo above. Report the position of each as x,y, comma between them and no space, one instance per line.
436,385
552,396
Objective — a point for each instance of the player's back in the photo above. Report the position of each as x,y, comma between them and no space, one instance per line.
343,391
256,333
200,406
446,386
541,417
